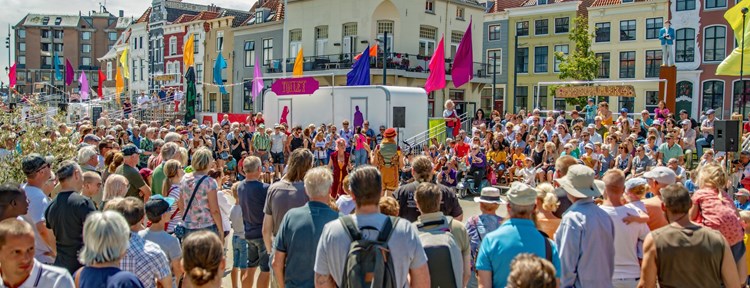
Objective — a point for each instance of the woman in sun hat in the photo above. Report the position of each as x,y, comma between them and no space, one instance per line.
480,225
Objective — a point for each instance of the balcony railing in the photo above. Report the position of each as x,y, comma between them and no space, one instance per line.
396,61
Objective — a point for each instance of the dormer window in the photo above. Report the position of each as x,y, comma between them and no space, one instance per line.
58,20
45,20
258,17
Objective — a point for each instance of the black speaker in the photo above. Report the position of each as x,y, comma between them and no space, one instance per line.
399,117
727,135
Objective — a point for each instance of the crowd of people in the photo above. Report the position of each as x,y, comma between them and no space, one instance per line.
587,200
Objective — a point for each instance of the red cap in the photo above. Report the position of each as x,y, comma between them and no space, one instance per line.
389,133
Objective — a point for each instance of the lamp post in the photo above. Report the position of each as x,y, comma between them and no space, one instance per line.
742,61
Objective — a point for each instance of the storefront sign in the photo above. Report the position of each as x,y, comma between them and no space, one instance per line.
590,91
295,86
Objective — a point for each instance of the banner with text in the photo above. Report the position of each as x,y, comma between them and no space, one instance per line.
295,86
590,91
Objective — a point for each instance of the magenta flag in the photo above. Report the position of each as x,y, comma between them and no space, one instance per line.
69,72
257,80
12,76
436,80
462,71
84,86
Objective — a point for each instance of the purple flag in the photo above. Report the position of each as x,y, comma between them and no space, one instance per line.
84,86
257,80
462,64
69,72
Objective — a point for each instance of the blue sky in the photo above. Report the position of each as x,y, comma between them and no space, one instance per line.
14,10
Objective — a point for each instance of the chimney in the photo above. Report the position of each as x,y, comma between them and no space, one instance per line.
121,13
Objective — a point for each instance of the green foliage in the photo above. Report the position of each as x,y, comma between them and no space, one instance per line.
27,135
581,64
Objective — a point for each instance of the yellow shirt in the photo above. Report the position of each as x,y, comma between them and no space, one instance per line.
518,157
747,242
605,121
497,156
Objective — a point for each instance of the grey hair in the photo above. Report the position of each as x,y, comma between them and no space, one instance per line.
67,169
172,137
520,210
106,237
251,164
85,154
318,182
149,129
115,186
169,150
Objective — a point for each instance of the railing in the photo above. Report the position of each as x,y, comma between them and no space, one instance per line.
397,61
153,111
418,143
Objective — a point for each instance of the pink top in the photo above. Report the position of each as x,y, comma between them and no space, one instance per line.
360,142
661,113
718,213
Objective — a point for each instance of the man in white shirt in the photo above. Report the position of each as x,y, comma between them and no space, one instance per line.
178,96
20,269
707,130
38,172
595,137
629,242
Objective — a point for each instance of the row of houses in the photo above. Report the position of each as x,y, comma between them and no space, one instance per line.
514,43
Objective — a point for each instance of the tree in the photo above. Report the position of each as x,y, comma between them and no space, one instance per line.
24,131
582,64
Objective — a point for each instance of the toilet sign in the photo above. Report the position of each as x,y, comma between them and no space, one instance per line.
295,86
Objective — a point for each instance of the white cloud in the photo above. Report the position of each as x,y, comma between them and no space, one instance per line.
14,10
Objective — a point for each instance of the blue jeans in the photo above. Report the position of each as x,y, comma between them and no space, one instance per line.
448,132
239,247
360,157
321,162
703,142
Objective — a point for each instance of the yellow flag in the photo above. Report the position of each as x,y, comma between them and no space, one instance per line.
124,63
297,71
188,51
119,84
731,65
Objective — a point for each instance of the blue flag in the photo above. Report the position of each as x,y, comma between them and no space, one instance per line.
56,62
218,66
360,74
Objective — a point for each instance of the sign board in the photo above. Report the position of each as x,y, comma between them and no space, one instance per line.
589,91
399,117
295,86
96,113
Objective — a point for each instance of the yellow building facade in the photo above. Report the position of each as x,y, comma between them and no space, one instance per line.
537,32
628,47
219,38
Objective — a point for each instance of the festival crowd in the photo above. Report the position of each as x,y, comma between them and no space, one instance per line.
567,199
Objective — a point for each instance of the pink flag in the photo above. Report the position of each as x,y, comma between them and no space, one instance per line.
436,80
84,86
257,80
12,75
462,63
69,72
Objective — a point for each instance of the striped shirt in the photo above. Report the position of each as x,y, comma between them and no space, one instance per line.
261,141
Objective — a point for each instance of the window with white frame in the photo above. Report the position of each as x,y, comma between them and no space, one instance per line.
22,46
455,40
460,13
495,56
109,69
196,43
86,48
267,50
295,42
219,40
429,6
350,29
199,72
715,41
22,60
86,35
321,39
386,26
427,40
249,48
173,45
86,61
494,32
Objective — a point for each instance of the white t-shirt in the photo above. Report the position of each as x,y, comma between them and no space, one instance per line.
629,237
38,203
225,208
43,275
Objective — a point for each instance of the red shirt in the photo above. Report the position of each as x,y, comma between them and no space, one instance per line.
462,149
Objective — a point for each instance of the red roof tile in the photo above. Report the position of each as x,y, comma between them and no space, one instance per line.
206,15
184,18
501,5
145,16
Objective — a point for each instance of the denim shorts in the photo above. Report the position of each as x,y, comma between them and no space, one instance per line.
257,254
738,250
239,247
278,158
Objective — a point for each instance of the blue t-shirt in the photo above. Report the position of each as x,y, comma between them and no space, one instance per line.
514,237
252,196
298,236
108,277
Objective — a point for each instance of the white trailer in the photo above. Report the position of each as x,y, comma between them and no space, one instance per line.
338,103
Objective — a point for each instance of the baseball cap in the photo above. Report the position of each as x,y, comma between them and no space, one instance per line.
262,126
624,110
157,205
662,175
683,111
710,111
91,137
591,99
742,192
592,126
130,150
33,163
589,146
580,183
635,182
521,194
685,122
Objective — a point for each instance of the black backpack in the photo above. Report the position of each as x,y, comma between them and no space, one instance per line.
369,262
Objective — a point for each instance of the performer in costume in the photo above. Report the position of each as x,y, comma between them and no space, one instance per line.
389,160
667,36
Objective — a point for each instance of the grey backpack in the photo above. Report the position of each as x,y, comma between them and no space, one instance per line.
369,262
443,254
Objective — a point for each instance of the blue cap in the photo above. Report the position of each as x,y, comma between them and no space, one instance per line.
624,110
